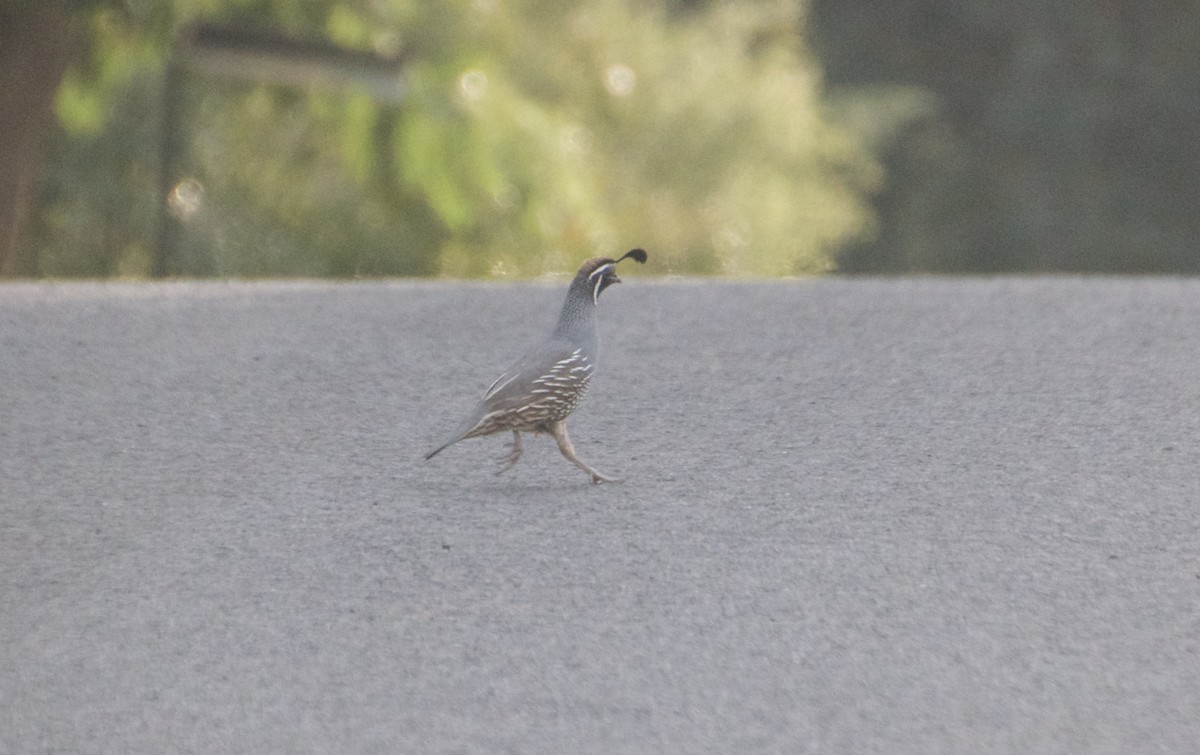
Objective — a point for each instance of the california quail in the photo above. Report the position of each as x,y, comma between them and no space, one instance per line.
540,389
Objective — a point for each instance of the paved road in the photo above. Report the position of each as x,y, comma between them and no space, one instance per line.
908,516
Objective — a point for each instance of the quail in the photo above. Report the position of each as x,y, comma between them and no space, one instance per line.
538,391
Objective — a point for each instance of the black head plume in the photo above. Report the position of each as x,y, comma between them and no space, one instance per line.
637,254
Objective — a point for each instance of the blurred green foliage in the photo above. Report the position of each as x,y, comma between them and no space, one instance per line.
1059,136
533,134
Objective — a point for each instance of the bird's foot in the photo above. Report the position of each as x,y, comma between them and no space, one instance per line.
510,459
598,478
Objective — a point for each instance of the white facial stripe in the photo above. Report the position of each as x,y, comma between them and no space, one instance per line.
599,281
601,269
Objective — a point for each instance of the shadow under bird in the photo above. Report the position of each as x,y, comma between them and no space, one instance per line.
540,389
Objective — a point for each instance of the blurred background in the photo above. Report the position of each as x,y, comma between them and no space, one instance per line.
477,138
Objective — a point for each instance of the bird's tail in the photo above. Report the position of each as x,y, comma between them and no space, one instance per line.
462,432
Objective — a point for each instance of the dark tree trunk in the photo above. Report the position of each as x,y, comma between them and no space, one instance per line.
35,47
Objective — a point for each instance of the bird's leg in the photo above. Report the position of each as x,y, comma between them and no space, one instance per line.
507,462
559,431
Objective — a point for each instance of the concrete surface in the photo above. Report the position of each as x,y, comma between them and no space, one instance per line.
903,516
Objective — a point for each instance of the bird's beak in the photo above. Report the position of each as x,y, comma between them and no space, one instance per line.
614,278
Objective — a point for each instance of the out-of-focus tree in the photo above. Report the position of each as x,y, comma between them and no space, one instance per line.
35,50
1055,136
533,133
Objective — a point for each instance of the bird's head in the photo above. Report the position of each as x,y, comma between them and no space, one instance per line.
601,272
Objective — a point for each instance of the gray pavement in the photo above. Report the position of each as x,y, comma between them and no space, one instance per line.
899,516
